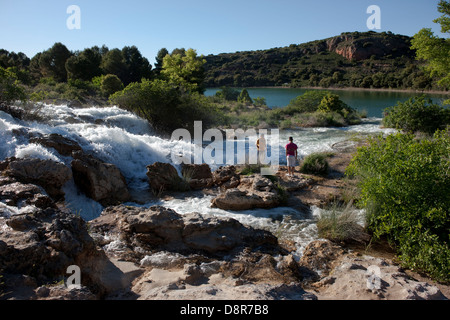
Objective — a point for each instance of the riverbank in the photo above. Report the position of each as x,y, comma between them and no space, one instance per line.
151,253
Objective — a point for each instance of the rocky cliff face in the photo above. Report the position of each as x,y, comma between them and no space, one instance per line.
353,48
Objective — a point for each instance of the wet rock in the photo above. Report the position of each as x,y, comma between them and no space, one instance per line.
163,176
63,145
49,174
19,195
102,182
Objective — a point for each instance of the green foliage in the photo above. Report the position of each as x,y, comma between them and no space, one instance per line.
259,101
228,94
184,70
434,50
417,114
244,97
314,64
307,102
331,103
52,62
10,88
315,163
85,65
404,186
110,84
113,62
165,106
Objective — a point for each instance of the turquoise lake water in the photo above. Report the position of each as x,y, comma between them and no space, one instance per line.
373,102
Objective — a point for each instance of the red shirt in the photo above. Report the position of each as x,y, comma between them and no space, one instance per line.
291,148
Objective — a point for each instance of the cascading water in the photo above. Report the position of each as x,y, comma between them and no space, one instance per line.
119,137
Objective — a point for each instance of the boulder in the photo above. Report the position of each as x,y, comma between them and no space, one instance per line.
163,176
44,244
254,191
19,195
159,228
102,182
49,174
226,177
199,176
63,145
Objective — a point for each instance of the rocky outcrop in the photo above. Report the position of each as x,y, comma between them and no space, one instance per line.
226,177
253,191
339,275
100,181
353,48
163,176
49,174
16,194
159,228
198,176
42,244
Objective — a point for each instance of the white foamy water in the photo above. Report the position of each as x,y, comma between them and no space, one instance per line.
124,139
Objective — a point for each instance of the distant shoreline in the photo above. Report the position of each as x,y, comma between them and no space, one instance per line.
351,89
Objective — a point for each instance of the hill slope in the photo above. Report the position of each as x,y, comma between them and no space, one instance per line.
369,59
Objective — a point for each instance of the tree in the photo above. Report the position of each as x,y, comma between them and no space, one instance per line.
113,62
159,59
85,65
138,67
434,50
185,71
52,62
331,103
244,97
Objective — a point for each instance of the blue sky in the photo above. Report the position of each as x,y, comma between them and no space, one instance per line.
209,26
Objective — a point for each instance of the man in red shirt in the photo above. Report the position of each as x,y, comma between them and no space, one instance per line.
291,156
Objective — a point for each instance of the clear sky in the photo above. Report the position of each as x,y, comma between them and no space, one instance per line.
209,26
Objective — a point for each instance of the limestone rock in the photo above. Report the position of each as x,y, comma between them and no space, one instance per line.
199,176
226,177
102,182
163,176
164,229
254,191
49,174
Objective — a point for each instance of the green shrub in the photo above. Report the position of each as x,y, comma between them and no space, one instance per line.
110,84
404,185
10,88
165,106
315,163
417,114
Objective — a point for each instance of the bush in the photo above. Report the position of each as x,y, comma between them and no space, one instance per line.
404,186
110,84
417,114
315,163
165,106
10,89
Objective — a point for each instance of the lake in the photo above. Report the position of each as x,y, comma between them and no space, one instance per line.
371,101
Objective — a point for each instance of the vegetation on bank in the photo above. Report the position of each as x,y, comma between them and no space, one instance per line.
404,184
385,60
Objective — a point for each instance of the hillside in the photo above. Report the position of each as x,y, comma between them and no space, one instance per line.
352,59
